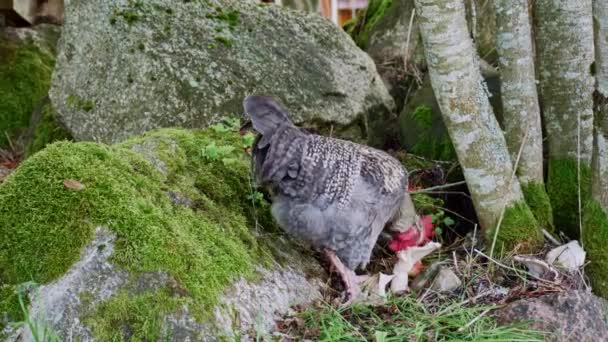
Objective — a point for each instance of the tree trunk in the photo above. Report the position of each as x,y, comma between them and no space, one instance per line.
564,43
480,145
599,190
595,232
521,112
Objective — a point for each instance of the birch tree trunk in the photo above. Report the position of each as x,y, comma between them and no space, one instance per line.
599,190
480,145
521,112
595,232
564,46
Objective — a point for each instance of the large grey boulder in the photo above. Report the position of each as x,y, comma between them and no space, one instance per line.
125,67
160,237
568,316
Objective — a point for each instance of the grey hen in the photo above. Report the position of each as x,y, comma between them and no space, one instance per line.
334,194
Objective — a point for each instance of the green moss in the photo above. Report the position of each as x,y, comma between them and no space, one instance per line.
230,17
562,188
46,131
519,231
79,103
364,23
204,246
595,239
9,304
138,316
25,77
423,116
427,142
224,40
538,201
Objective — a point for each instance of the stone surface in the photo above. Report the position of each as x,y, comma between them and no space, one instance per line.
125,67
446,280
59,304
246,307
569,316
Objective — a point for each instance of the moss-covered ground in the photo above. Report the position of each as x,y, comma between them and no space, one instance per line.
563,190
203,246
25,77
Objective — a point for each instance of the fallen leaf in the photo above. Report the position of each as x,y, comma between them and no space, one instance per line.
73,184
570,256
538,268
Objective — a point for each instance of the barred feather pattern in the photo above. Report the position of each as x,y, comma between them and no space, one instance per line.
329,192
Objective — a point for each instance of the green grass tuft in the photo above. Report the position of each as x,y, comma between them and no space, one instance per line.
595,239
405,319
562,188
204,247
538,201
25,77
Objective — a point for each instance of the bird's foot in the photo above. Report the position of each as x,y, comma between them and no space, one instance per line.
349,278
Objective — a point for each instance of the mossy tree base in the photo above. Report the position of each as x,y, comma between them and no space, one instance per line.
595,239
563,190
519,231
538,201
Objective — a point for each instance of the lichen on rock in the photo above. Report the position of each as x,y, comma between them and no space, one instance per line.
163,63
181,210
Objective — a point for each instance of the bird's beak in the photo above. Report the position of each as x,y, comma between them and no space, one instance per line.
246,127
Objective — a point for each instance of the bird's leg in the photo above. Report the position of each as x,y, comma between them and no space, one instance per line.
349,278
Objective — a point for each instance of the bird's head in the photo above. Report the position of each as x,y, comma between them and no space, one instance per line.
265,114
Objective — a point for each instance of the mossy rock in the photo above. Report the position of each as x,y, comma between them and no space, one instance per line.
125,67
159,224
595,239
25,78
302,5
